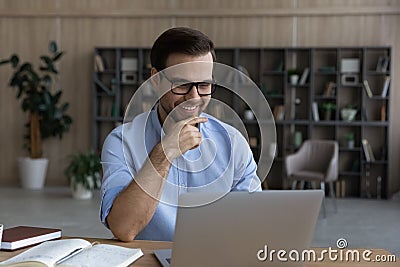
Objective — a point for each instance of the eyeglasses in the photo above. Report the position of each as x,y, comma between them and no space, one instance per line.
182,87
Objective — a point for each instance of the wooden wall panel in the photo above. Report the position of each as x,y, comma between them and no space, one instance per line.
27,26
243,32
17,36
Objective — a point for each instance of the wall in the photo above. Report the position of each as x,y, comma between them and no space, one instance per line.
79,26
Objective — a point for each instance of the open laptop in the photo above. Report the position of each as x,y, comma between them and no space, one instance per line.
233,230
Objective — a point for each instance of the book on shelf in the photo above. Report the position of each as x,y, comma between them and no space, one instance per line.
98,63
368,153
304,76
340,188
329,89
383,64
315,111
279,112
75,252
386,86
23,236
367,89
383,113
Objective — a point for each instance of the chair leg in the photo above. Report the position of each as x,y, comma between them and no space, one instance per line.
323,200
333,196
294,183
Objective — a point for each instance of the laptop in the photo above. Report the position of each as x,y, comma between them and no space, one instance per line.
242,228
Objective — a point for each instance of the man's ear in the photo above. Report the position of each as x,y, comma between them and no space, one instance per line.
155,79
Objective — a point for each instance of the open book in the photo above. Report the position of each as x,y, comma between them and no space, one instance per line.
75,252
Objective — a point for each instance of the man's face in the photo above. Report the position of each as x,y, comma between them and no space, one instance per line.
181,107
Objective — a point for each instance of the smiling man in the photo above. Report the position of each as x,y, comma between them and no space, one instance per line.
188,150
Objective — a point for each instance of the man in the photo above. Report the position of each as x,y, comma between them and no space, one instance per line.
188,150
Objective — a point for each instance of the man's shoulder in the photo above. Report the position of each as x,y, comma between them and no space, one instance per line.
127,125
216,125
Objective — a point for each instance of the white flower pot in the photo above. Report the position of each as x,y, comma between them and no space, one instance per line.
294,79
80,192
32,172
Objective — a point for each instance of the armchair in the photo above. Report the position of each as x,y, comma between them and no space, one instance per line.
315,161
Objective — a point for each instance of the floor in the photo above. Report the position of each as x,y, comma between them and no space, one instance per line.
364,223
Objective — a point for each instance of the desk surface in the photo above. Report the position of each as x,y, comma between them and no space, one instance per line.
150,260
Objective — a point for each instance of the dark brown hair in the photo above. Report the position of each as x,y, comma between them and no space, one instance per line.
179,40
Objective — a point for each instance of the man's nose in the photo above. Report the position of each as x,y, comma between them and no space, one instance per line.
192,93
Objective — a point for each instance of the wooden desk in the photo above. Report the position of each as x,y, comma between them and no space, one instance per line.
150,260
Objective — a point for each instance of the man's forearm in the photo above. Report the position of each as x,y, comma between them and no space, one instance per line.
134,207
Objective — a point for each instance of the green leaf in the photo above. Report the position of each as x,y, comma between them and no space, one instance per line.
14,60
58,56
53,47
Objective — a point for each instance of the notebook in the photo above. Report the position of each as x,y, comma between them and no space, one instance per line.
75,252
23,236
234,229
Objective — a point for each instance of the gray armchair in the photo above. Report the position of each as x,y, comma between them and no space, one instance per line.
315,161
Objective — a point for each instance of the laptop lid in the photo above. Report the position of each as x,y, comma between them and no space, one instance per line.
233,230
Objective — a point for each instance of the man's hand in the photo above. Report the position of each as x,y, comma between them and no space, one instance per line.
181,137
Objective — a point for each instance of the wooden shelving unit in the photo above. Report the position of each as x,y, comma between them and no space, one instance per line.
269,68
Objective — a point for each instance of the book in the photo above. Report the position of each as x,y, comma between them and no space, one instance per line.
98,63
23,236
367,89
304,76
368,153
75,252
385,64
315,111
379,64
383,112
329,89
279,112
386,85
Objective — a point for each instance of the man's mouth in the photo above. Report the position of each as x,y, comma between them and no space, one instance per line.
189,108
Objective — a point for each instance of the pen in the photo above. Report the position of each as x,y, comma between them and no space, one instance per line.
73,253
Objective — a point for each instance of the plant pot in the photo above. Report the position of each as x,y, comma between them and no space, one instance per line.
294,79
327,115
80,192
32,172
350,144
348,114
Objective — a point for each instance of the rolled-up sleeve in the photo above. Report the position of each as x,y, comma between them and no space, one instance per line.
116,174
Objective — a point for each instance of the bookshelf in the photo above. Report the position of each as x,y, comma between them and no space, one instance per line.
334,81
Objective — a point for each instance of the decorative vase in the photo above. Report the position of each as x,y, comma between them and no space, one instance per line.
348,114
327,115
32,172
80,192
294,79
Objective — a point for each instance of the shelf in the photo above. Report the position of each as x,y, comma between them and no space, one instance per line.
108,71
298,85
376,162
262,64
346,149
273,72
109,119
377,97
378,73
349,173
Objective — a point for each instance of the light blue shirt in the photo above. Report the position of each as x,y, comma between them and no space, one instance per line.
222,163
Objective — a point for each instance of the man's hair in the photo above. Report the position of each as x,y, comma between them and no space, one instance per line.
179,40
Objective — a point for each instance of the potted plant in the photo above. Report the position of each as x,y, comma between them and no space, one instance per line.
349,137
328,108
294,75
83,173
47,116
348,113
